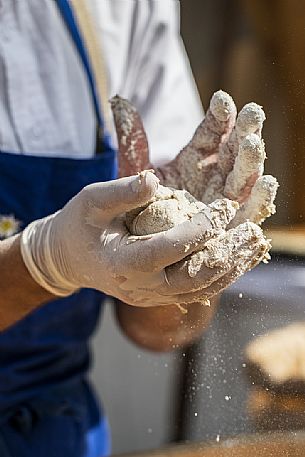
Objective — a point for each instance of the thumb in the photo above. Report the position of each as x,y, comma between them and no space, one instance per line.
122,195
133,154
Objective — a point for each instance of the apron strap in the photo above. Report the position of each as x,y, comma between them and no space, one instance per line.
76,17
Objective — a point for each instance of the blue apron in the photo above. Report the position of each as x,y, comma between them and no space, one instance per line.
47,407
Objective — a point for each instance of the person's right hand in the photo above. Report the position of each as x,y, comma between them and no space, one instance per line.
224,159
87,245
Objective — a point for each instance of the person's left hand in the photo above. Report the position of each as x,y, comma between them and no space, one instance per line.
225,157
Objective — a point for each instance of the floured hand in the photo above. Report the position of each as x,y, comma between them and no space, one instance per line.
87,245
225,158
208,267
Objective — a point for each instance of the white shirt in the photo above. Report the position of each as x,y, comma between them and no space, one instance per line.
45,102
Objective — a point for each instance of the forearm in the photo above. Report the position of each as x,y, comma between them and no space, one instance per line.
164,328
20,294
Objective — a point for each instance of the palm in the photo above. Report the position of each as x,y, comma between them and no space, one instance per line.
225,157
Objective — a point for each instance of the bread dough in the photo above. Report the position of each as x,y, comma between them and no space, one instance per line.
240,248
171,207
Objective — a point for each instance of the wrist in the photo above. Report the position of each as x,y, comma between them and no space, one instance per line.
44,257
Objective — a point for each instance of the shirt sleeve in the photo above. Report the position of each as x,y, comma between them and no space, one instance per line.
147,63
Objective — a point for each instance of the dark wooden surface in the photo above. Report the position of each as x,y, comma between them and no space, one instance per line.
288,240
275,445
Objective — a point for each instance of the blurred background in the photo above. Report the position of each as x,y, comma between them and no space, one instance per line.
255,50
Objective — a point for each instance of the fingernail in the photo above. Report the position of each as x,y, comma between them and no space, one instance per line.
250,119
145,183
266,186
261,203
252,154
222,105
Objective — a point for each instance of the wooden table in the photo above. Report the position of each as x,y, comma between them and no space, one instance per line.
275,445
287,240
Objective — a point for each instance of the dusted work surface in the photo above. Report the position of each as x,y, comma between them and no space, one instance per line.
277,445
